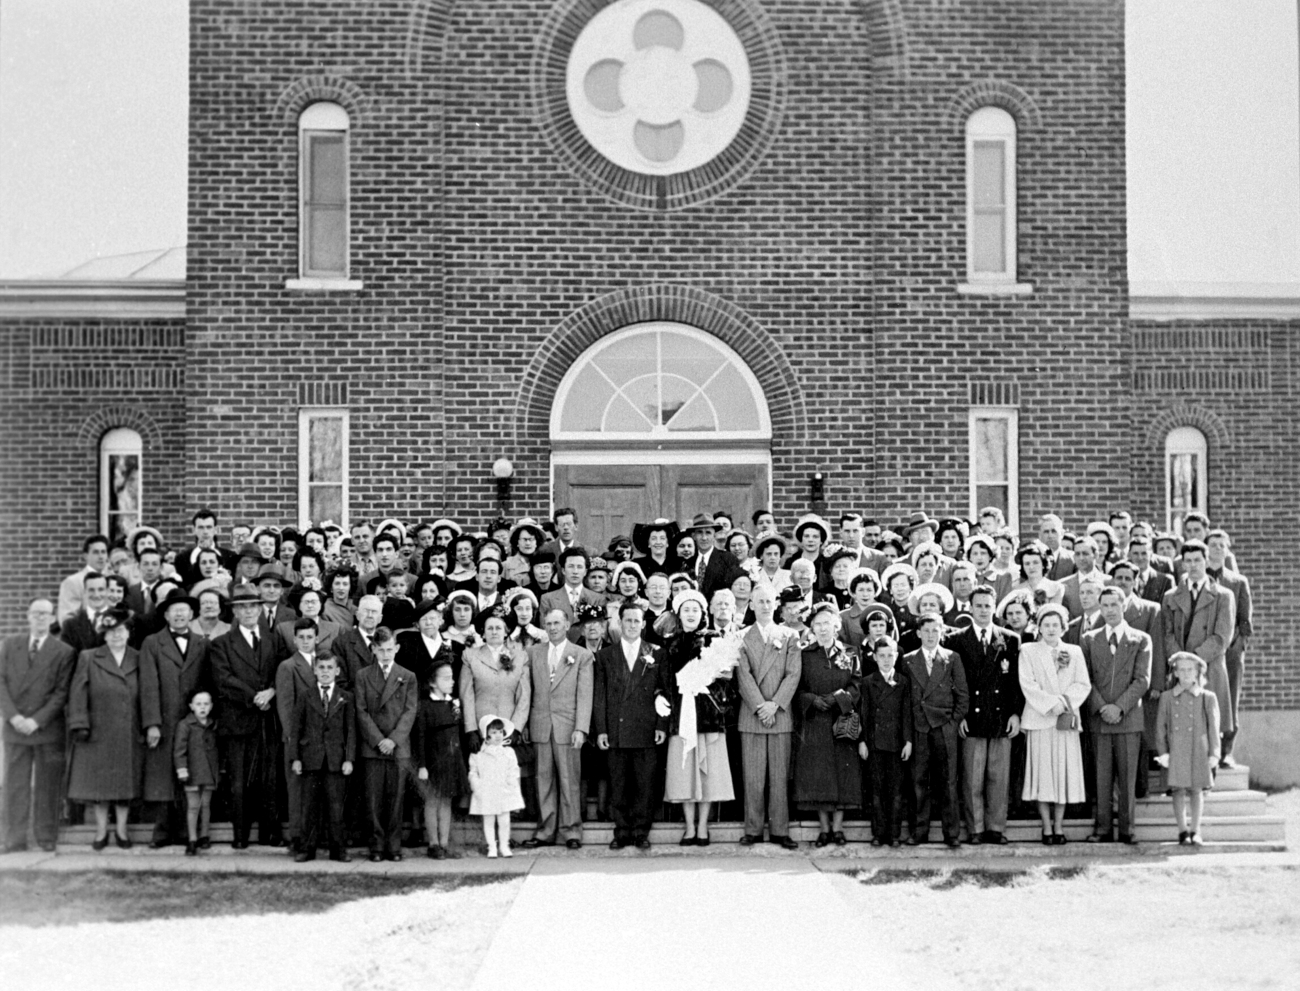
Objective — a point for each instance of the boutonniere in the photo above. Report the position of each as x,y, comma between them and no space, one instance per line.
571,660
647,658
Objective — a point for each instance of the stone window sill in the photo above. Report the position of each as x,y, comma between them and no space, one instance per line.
995,288
324,285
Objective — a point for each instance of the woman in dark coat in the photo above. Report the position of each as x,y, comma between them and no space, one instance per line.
104,721
698,771
827,774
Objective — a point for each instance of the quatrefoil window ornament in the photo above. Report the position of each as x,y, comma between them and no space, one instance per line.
658,86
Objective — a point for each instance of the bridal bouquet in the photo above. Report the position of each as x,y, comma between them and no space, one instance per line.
718,658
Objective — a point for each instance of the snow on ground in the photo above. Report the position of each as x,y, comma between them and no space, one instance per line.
431,940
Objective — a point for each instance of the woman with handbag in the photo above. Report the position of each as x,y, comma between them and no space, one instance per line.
827,772
1055,681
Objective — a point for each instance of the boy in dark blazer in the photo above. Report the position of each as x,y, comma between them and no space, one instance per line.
939,703
386,701
322,746
886,740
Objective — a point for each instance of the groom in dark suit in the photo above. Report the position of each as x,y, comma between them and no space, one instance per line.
939,704
630,712
35,671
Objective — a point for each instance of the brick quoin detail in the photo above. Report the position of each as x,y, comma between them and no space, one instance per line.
110,417
296,97
680,304
1184,414
995,93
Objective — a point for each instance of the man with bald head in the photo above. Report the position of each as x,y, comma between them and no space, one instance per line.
35,672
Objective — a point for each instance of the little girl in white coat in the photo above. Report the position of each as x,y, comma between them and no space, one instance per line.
494,777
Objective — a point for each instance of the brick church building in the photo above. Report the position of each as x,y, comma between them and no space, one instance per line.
660,256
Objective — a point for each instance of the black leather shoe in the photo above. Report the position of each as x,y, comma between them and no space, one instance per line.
239,845
895,844
1059,840
822,839
341,856
123,843
877,841
1048,840
191,849
159,843
534,843
975,840
1101,838
435,852
616,844
1128,839
205,842
395,857
786,842
100,844
996,838
701,841
376,857
748,840
838,838
302,858
915,840
643,843
573,844
952,842
686,841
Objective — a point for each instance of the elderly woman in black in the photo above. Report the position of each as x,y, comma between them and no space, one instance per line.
104,722
698,771
827,774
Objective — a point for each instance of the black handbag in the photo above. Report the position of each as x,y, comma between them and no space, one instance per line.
847,726
1068,720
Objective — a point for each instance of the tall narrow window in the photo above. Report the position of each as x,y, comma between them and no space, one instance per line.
323,189
995,462
991,196
323,466
1185,475
121,491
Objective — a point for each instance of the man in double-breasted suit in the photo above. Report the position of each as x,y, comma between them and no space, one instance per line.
322,749
173,665
1235,657
767,675
352,648
294,676
243,672
35,672
630,711
1200,616
1119,664
558,723
990,659
1143,615
939,703
386,700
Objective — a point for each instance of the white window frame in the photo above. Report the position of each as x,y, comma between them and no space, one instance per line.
993,125
1011,415
119,440
305,415
1186,440
315,119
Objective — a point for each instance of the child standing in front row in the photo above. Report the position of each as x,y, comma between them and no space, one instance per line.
886,740
194,755
1187,741
435,746
494,776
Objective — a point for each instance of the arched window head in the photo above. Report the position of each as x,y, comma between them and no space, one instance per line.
323,192
991,196
1186,476
121,490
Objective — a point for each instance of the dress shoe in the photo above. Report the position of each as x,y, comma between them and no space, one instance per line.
239,845
1128,839
894,844
877,841
450,854
534,843
785,842
999,839
47,847
435,852
1194,839
838,838
617,844
701,841
686,841
1101,838
303,857
1047,839
915,840
1227,761
975,839
822,839
952,842
159,843
341,856
376,857
205,842
191,849
1182,838
123,842
103,842
395,856
573,844
643,843
1059,839
748,840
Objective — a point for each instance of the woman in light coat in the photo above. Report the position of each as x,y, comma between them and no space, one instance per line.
1055,681
494,678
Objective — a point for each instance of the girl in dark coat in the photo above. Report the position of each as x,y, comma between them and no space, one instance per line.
104,721
827,775
194,754
436,750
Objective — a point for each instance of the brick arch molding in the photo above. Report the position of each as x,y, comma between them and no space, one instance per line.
426,31
994,93
103,420
299,94
680,304
1182,414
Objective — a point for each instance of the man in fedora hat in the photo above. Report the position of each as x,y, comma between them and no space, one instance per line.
919,529
271,583
714,568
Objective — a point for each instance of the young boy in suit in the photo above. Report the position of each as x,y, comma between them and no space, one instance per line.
322,746
886,740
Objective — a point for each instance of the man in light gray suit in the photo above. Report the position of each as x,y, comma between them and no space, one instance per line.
558,724
768,676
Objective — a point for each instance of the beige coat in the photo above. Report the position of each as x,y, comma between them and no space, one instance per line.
1043,685
558,708
487,688
768,673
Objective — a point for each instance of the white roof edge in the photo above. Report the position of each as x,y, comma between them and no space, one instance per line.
73,299
1168,301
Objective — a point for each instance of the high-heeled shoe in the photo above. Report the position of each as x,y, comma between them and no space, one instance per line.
123,842
1059,840
1047,838
99,844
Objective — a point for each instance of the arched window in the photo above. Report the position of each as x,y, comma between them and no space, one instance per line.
991,196
120,482
1186,471
661,382
323,192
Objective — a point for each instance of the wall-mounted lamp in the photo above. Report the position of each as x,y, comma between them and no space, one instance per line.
817,490
503,471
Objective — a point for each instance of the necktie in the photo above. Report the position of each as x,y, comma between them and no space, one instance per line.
1113,643
1191,615
553,659
699,566
325,699
929,664
984,639
33,647
257,639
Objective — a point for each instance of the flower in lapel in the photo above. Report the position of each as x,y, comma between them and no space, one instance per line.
647,658
780,636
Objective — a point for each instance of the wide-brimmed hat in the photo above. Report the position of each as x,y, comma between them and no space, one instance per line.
143,529
702,521
451,525
983,540
250,549
177,595
929,588
641,533
789,594
737,531
1100,526
116,616
917,520
396,526
812,519
462,593
771,538
429,605
519,592
631,566
895,569
865,575
489,718
272,570
245,592
689,595
527,525
841,553
589,612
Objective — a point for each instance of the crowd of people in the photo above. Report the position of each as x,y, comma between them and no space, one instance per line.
367,686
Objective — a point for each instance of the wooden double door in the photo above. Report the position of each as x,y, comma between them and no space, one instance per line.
609,499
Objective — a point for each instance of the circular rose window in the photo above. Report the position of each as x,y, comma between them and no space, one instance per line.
658,86
658,102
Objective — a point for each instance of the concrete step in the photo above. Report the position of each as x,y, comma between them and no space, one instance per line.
1227,779
1246,802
